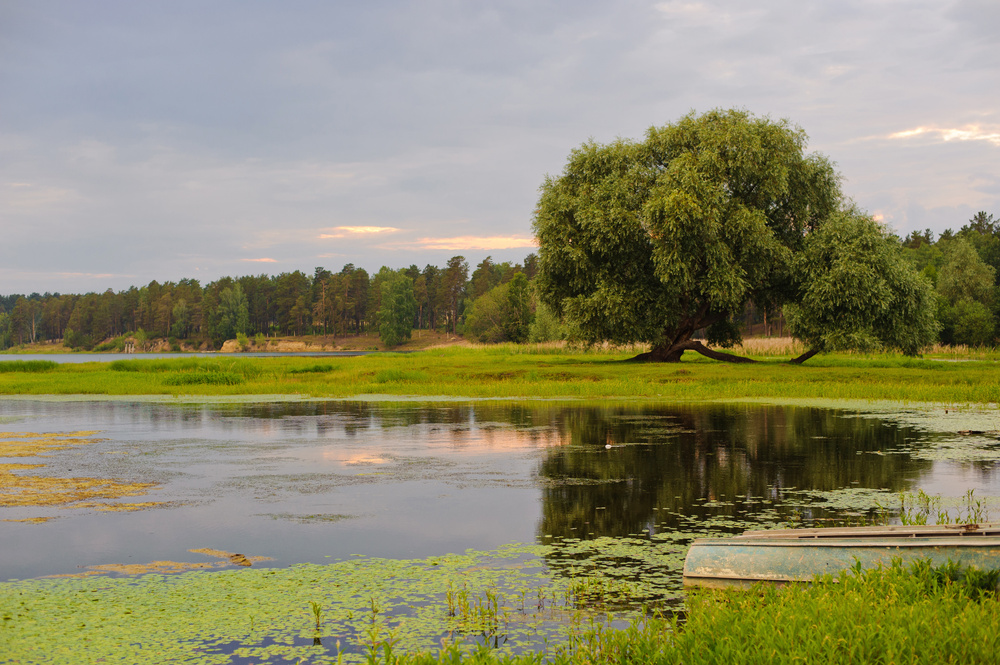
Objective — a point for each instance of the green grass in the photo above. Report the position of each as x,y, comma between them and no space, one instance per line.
28,366
511,371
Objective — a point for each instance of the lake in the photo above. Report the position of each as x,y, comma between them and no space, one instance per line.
190,485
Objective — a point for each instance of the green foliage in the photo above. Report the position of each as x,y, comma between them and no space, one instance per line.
397,310
4,330
72,339
886,615
503,314
967,322
327,303
312,369
399,376
545,326
181,326
243,341
858,292
966,286
113,344
28,365
212,378
234,314
965,275
652,241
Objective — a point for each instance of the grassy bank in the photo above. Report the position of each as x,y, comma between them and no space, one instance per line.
511,371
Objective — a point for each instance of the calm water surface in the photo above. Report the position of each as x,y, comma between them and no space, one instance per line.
315,481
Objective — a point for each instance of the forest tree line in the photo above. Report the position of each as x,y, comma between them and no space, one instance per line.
964,268
335,304
495,302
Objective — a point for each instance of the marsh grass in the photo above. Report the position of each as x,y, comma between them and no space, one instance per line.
770,347
895,614
510,371
8,366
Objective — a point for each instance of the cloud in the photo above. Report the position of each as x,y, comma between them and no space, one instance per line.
357,231
460,243
261,260
28,197
989,133
91,275
163,141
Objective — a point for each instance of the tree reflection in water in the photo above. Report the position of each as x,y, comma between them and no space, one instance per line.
625,469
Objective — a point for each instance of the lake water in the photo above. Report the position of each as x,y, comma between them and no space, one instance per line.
492,523
314,481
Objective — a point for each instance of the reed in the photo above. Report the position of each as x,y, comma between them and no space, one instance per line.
895,614
33,366
770,347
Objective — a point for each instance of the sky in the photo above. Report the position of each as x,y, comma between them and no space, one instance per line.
183,139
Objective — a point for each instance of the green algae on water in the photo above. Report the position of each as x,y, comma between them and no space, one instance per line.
509,599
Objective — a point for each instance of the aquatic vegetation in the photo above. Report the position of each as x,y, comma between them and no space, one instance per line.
168,567
921,508
385,611
507,598
322,518
19,488
33,444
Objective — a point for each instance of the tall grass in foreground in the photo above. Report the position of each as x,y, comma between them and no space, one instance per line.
915,614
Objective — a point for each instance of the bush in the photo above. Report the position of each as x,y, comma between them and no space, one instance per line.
502,314
546,326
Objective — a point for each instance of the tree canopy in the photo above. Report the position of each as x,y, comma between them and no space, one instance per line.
856,291
397,308
658,240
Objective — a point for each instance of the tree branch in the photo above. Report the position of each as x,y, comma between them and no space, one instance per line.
804,357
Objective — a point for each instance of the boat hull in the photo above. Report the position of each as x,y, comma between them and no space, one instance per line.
782,558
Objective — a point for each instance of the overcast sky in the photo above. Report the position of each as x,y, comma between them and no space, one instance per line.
163,140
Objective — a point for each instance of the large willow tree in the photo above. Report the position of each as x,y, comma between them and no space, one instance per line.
654,241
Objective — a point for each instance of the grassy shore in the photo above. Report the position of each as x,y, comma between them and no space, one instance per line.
517,371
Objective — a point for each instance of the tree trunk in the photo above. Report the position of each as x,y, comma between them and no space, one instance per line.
804,357
671,353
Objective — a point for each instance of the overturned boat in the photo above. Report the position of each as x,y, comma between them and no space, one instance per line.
801,555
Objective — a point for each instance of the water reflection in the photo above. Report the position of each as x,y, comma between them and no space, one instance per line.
307,481
627,468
